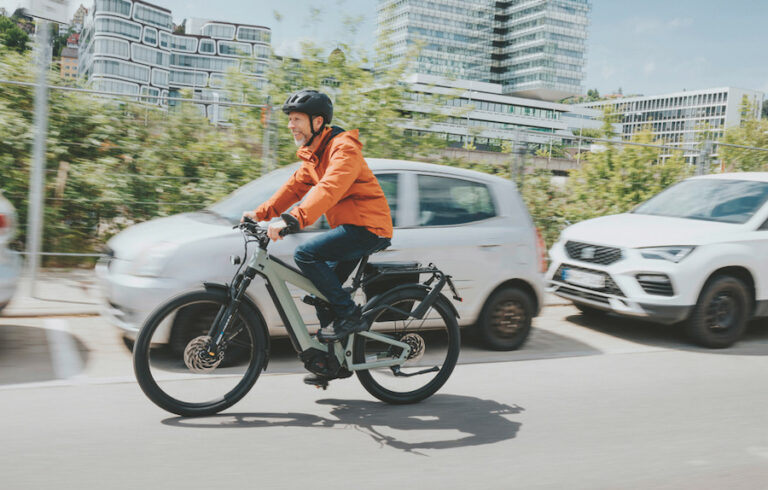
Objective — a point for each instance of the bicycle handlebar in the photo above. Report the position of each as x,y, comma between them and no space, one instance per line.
252,227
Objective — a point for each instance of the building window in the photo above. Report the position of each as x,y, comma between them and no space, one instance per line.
119,27
219,31
150,56
121,69
116,86
189,78
253,34
229,48
181,43
150,36
112,47
119,7
165,40
152,16
207,46
251,67
159,77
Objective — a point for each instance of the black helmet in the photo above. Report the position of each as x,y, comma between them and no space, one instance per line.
311,103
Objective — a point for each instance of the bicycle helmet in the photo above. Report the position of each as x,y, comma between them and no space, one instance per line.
313,104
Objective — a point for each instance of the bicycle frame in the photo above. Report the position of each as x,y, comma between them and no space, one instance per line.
277,276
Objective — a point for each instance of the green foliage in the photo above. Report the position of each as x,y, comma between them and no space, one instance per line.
12,36
752,132
619,177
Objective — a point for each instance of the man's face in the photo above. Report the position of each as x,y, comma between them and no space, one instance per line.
298,123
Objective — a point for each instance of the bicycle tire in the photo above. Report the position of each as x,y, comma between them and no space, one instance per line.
142,358
442,311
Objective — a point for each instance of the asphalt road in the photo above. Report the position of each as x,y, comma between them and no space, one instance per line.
587,403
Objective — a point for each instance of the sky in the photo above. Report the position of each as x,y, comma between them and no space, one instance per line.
641,47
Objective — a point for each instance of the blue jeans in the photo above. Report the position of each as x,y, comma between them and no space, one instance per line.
329,258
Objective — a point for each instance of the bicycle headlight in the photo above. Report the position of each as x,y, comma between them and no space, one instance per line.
673,254
151,261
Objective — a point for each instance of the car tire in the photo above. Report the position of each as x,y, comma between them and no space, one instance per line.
505,321
720,315
588,310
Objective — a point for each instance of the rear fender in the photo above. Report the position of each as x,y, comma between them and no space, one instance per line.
403,287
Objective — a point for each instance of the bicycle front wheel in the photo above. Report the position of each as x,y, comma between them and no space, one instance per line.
434,341
198,379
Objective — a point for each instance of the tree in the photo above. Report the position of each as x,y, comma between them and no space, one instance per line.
12,36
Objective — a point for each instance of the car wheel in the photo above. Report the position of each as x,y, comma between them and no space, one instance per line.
505,321
719,318
588,310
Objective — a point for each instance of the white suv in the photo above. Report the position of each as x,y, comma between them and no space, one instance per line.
696,252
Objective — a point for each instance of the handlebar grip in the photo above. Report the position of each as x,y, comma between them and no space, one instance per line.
292,224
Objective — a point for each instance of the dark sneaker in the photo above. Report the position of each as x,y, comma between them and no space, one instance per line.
316,380
343,327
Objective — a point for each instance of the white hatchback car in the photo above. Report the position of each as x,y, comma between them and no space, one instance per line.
473,226
10,264
696,252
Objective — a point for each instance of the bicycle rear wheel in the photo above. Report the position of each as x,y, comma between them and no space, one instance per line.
193,382
434,341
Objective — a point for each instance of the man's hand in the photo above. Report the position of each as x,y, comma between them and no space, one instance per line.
249,214
273,232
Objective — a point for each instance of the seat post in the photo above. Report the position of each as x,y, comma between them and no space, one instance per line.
359,274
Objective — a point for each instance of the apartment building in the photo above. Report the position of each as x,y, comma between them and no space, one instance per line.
532,48
684,119
129,47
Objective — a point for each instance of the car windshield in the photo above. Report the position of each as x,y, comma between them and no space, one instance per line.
725,201
248,197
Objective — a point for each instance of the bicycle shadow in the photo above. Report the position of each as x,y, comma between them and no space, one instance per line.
481,422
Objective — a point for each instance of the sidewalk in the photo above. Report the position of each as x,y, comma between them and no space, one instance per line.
65,292
58,292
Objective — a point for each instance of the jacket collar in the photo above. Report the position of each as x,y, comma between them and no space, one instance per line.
310,153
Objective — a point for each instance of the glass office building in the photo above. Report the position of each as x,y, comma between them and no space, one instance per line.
532,48
129,47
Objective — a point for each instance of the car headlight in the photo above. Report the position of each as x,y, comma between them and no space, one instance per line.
672,254
151,260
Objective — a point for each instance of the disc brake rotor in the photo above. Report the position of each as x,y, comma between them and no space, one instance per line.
198,356
416,343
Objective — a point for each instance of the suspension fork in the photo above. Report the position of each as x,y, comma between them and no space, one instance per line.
228,311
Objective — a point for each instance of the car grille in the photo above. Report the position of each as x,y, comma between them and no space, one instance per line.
595,254
658,284
610,286
598,298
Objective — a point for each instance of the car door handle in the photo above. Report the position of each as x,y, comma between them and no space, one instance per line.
388,250
490,245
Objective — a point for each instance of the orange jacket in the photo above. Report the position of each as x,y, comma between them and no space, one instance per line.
342,187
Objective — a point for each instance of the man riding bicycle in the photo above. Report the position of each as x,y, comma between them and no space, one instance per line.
337,182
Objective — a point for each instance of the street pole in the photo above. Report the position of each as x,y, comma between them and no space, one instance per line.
37,171
265,157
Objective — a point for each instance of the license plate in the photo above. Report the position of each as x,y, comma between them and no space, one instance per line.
581,278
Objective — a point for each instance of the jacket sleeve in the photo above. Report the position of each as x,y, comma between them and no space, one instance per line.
343,169
292,191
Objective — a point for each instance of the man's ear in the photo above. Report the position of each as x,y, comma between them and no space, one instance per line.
317,123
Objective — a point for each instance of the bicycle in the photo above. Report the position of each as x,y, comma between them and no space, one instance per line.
390,359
